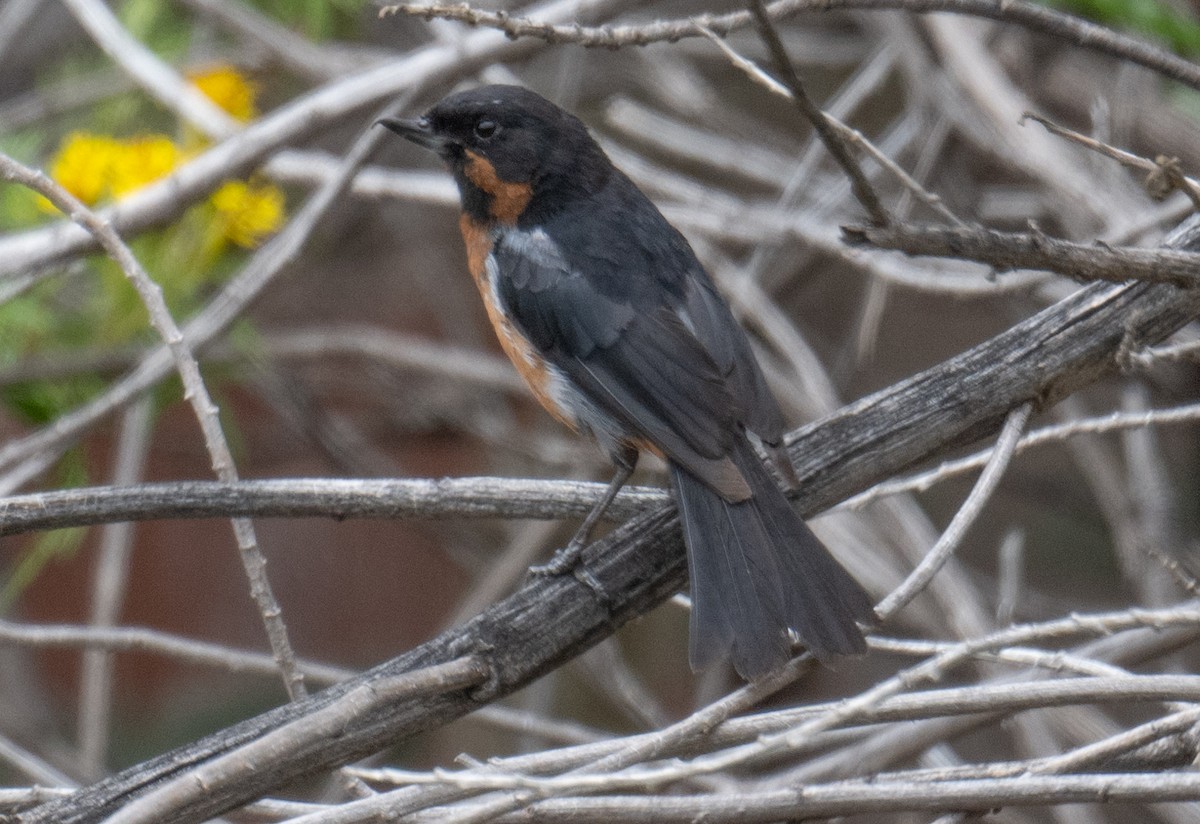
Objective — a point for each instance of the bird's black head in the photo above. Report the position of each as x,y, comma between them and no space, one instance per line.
516,156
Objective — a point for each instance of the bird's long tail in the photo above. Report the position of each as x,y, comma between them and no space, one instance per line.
756,571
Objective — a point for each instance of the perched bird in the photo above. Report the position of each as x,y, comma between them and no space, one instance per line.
620,333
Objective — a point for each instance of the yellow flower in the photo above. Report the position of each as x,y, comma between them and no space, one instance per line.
83,165
229,89
248,212
94,167
142,160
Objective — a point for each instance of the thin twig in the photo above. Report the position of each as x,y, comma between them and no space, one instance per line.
1037,18
319,497
1113,422
195,392
108,593
1160,171
853,798
848,134
1002,452
1028,250
139,639
832,139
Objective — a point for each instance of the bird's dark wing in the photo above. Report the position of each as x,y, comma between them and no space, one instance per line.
631,346
719,332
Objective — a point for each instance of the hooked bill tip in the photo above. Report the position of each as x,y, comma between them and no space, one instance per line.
418,131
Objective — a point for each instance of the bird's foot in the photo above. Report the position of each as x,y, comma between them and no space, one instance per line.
562,561
568,560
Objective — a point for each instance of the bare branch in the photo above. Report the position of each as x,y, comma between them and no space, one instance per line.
195,392
1006,446
1163,176
1005,250
305,733
811,112
1037,18
138,639
319,497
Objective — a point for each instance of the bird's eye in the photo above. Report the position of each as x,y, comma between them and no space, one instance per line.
485,128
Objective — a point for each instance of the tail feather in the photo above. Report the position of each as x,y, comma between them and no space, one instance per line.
756,571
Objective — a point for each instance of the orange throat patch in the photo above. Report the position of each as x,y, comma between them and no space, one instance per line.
508,200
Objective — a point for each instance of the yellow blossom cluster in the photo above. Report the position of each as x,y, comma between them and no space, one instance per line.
96,167
229,89
248,210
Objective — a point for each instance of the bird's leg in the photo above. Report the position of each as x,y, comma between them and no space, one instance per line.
567,558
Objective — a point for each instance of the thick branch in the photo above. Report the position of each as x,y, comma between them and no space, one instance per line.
550,620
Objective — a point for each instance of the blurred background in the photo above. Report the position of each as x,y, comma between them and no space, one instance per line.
368,355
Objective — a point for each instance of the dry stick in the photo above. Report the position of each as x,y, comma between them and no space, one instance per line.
852,710
851,798
989,479
1032,250
548,768
320,497
1129,646
698,732
848,134
196,393
138,639
1160,172
640,564
1037,18
519,772
792,738
1098,753
812,113
311,730
108,594
1113,422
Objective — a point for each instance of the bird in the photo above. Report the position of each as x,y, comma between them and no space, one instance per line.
621,334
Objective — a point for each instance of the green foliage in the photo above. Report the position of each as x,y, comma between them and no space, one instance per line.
18,205
317,19
1161,21
158,23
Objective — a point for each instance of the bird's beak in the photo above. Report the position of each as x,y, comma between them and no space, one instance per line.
418,131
